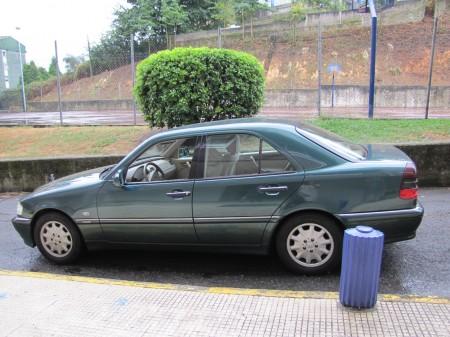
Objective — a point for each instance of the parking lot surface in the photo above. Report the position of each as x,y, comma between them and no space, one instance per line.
419,266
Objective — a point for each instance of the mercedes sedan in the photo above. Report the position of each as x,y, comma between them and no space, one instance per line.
241,185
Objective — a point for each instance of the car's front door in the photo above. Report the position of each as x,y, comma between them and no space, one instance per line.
154,205
244,181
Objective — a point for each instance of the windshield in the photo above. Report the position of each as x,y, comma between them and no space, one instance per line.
332,142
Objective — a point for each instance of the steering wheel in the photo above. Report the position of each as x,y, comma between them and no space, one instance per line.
150,169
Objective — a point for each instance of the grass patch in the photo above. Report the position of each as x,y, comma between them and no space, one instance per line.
388,130
26,142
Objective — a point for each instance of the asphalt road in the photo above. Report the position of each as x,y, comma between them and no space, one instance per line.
127,117
420,266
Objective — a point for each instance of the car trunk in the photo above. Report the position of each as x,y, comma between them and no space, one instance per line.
385,152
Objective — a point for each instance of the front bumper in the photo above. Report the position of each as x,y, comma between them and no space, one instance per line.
23,227
397,225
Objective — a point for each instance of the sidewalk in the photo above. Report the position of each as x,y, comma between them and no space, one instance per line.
37,304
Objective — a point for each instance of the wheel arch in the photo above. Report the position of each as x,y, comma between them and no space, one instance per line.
283,219
43,211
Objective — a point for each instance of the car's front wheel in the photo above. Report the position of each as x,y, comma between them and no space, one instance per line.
309,243
58,238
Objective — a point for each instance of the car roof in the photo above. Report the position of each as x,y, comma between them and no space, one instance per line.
254,123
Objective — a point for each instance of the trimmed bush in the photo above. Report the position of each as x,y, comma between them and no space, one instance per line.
188,85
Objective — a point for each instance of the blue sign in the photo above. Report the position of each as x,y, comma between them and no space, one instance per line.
334,68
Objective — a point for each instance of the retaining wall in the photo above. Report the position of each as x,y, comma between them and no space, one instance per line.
345,96
432,160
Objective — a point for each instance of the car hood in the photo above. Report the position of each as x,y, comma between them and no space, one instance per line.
74,180
385,152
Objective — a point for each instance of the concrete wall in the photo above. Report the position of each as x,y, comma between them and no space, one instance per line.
345,96
357,96
26,175
92,105
432,160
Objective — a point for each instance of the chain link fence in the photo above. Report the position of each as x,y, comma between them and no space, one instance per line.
314,65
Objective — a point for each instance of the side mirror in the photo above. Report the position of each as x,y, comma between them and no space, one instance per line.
118,179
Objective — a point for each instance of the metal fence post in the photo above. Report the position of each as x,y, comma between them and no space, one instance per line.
319,66
24,97
133,75
58,84
430,72
373,55
90,58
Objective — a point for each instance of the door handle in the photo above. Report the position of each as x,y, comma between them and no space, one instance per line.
177,194
272,190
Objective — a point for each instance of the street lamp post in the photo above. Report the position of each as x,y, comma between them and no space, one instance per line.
21,74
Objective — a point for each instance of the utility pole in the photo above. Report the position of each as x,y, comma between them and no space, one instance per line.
133,76
90,58
58,84
430,71
24,98
319,66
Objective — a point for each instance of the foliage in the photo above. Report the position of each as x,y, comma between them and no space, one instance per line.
187,85
224,12
153,21
52,67
173,14
82,70
72,62
297,12
32,73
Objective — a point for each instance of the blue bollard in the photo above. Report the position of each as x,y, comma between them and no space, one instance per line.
361,263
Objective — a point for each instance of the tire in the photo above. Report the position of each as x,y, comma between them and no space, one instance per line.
304,252
58,238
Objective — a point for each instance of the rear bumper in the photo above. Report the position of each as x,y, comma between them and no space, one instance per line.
397,225
23,227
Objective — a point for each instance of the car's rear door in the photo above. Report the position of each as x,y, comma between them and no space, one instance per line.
244,181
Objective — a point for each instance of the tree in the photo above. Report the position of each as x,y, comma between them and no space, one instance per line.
187,85
173,15
297,14
30,73
52,67
255,7
224,12
72,62
242,8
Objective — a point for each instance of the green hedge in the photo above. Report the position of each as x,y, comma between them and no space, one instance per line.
188,85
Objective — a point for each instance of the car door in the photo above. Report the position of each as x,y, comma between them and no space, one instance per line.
155,211
244,181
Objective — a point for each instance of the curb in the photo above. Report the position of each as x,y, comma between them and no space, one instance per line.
222,290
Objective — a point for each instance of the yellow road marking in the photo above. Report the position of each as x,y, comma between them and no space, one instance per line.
221,290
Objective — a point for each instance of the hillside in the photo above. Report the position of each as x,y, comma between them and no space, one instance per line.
403,55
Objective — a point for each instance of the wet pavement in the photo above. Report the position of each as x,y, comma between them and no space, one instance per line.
420,266
127,117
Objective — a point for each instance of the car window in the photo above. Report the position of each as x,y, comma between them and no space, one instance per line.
241,154
167,160
333,142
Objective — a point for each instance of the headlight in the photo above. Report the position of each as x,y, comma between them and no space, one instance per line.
19,209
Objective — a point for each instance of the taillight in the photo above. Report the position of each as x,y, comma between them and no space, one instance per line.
408,186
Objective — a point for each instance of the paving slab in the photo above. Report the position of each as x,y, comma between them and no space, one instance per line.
39,304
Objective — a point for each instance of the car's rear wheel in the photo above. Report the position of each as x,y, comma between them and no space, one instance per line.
309,243
57,238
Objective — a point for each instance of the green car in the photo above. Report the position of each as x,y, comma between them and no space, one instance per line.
240,185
